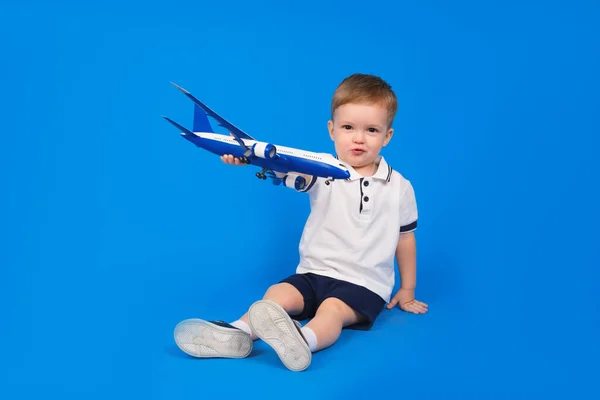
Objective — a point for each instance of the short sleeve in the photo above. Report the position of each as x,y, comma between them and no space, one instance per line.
408,210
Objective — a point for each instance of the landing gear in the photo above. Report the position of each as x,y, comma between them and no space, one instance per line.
328,181
261,174
244,160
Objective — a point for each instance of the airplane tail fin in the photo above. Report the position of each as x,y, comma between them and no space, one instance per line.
201,122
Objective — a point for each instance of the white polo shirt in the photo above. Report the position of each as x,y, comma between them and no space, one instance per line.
353,229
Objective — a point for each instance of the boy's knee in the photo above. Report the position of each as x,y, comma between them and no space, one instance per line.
279,291
335,305
286,295
340,309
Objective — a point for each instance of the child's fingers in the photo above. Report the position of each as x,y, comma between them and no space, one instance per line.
413,309
420,309
417,309
230,159
392,303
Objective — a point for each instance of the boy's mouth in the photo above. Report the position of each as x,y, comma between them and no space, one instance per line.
357,151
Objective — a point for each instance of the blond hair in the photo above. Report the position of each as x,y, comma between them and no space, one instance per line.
368,89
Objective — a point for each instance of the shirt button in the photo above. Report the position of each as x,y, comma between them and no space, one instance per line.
366,183
366,198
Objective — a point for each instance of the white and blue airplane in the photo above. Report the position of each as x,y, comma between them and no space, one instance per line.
281,164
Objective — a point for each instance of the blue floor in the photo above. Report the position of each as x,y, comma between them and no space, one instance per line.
114,229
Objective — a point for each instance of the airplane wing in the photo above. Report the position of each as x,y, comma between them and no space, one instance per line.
222,121
183,129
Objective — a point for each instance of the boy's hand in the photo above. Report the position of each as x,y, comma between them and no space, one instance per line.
405,298
229,159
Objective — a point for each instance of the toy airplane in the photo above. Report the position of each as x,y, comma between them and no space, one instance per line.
277,162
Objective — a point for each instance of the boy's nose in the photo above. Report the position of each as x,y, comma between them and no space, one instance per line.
359,138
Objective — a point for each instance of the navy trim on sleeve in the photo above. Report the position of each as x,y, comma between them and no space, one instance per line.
409,227
313,180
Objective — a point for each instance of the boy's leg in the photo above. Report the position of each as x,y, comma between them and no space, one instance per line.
210,339
344,305
331,317
294,344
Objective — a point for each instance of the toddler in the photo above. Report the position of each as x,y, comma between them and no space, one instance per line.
356,227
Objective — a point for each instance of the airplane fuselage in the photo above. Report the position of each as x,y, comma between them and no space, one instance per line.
286,159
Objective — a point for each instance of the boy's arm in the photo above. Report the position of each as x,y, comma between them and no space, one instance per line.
406,256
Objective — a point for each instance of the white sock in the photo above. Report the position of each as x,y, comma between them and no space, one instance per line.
311,338
242,325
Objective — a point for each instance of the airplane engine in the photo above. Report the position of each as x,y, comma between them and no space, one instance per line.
265,150
295,182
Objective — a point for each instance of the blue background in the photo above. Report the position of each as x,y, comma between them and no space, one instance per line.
114,228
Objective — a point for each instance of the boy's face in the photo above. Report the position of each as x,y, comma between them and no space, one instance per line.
359,131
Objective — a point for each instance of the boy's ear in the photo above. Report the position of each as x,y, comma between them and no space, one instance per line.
388,136
330,128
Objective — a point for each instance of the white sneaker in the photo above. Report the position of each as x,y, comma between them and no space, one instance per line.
273,325
210,339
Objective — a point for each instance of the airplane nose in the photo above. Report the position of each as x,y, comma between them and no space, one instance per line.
345,174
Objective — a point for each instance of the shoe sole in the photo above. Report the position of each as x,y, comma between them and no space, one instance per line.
273,325
202,339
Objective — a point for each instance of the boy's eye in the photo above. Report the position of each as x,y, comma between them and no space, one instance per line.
346,127
372,130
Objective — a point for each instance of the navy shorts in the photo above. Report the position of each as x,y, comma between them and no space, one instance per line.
316,288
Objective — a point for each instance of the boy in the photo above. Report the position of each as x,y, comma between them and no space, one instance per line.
346,271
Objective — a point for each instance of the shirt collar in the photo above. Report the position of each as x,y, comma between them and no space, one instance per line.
383,171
